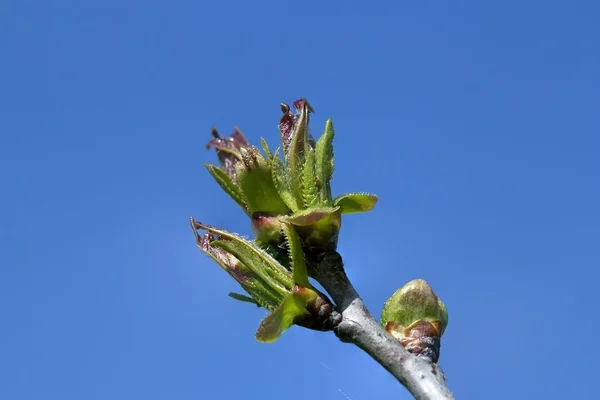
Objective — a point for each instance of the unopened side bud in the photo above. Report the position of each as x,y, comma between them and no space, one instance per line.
323,316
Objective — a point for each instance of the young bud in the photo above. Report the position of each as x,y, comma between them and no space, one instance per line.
267,227
323,316
417,318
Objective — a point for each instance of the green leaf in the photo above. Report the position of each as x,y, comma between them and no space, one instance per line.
264,287
253,284
254,178
271,328
297,154
281,182
324,162
310,216
300,273
265,147
243,298
260,263
310,190
228,186
355,202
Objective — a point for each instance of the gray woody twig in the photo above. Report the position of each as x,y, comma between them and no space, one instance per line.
424,380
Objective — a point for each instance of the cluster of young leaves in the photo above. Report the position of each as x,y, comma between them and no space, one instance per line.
296,188
284,290
291,207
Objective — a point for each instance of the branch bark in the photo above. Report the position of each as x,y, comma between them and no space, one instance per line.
424,380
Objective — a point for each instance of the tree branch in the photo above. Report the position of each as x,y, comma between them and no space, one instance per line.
424,380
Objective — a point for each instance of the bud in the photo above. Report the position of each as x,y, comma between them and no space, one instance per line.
417,318
267,228
322,315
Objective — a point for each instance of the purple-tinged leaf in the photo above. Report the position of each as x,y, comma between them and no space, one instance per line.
227,261
228,149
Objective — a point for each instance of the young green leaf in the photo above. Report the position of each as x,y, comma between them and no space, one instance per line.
265,147
228,186
297,153
355,202
261,263
310,190
270,271
300,273
254,178
310,215
271,328
324,162
282,185
243,298
261,291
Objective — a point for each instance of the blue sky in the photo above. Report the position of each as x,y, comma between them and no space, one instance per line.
475,122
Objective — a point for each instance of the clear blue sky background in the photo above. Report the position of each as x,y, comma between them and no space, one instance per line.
476,124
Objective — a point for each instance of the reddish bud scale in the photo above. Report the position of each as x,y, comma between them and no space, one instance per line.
323,316
422,338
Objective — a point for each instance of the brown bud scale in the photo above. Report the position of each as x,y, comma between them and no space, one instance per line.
323,316
422,338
